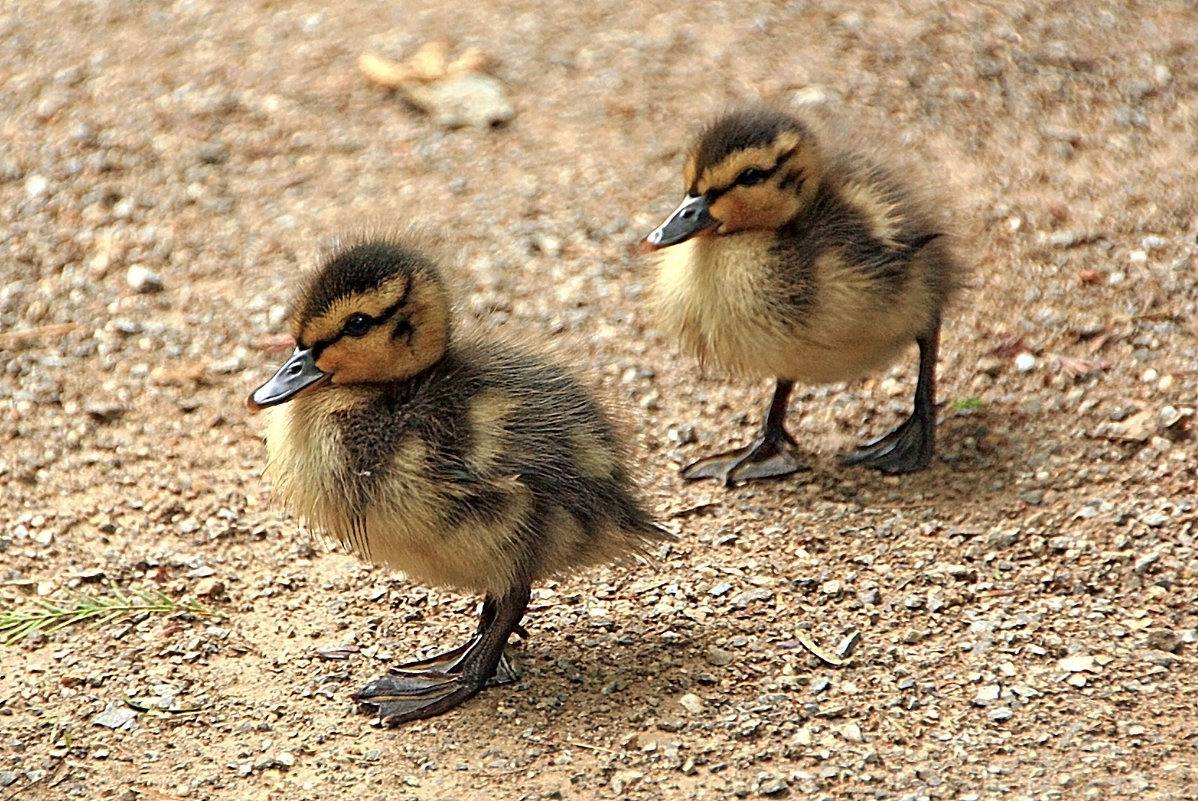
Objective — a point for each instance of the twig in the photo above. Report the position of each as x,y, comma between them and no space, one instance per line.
20,335
819,653
590,747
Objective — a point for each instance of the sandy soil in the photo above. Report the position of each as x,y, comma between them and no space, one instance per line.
1025,608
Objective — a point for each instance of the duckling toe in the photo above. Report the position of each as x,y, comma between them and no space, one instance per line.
766,457
448,662
406,696
451,662
906,449
777,465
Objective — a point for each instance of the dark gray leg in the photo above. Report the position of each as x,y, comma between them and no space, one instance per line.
910,446
773,454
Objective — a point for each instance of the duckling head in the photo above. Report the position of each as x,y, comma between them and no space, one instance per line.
376,312
749,170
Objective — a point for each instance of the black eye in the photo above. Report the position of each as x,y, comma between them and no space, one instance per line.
751,176
357,325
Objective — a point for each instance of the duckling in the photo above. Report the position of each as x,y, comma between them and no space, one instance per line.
459,461
799,261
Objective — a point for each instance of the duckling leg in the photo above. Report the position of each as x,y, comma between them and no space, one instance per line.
909,447
445,681
771,455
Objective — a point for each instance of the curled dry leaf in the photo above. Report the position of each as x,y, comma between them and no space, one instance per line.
430,63
192,373
338,652
455,92
1010,345
1079,368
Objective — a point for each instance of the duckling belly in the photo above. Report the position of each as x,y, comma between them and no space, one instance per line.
418,527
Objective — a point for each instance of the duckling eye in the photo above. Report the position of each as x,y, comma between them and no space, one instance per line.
357,325
751,176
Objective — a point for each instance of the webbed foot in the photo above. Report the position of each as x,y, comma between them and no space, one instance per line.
906,449
765,458
428,687
910,446
404,694
772,455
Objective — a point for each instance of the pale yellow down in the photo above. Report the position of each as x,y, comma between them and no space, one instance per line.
720,296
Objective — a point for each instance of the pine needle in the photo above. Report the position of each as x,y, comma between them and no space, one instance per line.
92,610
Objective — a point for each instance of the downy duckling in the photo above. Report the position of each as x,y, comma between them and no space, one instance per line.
460,462
792,259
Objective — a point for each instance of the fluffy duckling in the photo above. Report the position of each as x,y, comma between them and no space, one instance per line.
461,462
792,259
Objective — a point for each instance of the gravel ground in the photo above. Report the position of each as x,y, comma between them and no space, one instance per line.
1016,622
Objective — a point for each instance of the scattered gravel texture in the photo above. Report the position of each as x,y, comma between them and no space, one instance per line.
1017,622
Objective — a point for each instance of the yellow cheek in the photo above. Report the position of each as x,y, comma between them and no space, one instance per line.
761,207
351,361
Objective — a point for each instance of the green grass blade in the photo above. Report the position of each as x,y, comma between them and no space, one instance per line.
50,616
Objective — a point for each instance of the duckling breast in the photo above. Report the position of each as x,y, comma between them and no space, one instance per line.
717,296
306,460
356,474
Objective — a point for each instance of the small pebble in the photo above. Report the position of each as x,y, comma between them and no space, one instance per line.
743,599
987,695
691,703
116,716
772,785
1078,663
1026,362
719,657
682,435
36,186
143,280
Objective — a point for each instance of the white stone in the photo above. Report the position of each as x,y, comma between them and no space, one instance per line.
143,280
1078,663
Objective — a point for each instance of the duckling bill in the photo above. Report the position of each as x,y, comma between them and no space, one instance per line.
796,260
462,462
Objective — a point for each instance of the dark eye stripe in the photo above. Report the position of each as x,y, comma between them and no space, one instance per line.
385,315
767,173
792,178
